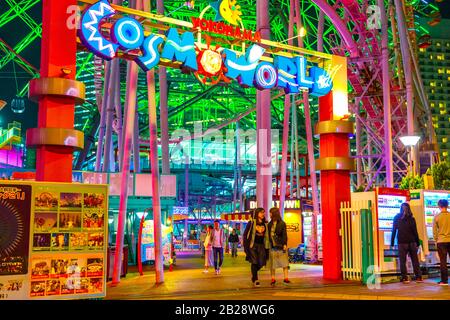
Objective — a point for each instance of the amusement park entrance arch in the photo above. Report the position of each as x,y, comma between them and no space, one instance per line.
250,59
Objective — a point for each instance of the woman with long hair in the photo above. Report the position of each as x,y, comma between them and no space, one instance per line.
209,260
408,241
278,256
256,243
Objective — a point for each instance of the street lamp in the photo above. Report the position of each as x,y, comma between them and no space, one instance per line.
411,142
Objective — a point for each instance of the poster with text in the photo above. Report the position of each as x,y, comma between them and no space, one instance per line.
148,247
67,275
15,213
69,250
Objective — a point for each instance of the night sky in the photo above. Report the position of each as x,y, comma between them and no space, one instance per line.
13,32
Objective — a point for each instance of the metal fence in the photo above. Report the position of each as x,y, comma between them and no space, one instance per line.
357,234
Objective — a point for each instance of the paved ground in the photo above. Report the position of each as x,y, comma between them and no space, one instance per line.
187,281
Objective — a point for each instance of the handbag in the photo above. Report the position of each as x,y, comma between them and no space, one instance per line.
421,254
207,239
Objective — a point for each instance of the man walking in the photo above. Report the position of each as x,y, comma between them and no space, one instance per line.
217,240
441,234
233,239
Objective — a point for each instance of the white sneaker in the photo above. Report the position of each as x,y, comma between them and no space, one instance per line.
205,271
218,271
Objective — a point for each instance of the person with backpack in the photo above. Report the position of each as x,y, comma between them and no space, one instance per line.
256,243
441,234
278,256
408,241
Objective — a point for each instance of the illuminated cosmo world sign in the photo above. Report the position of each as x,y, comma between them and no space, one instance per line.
127,34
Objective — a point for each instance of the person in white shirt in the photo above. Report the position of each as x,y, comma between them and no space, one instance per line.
217,240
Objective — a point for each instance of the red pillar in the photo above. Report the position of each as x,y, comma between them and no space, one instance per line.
335,188
56,92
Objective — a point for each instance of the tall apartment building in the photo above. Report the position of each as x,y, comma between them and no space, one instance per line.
435,70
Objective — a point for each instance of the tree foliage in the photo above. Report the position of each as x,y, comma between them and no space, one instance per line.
412,182
441,175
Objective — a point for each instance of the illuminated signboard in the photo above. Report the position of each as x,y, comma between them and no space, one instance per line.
288,204
127,34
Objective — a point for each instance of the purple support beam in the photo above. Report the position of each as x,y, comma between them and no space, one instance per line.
130,101
406,57
102,127
287,112
263,115
156,201
310,146
110,97
386,97
154,164
118,105
136,144
339,25
163,107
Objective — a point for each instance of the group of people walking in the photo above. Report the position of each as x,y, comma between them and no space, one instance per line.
264,243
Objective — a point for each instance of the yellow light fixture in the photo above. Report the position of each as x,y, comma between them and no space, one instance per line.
303,32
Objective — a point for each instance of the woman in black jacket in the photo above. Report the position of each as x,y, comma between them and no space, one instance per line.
256,243
278,257
408,241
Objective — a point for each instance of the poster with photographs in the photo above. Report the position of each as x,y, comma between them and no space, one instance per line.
37,288
53,287
67,274
95,285
93,220
60,241
95,241
68,239
42,241
94,267
40,268
45,222
69,221
78,241
70,202
45,200
59,267
94,201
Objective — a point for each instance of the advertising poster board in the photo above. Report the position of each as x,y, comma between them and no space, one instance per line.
65,240
148,244
15,205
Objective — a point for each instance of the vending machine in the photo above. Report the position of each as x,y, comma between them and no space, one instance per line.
386,204
424,207
307,213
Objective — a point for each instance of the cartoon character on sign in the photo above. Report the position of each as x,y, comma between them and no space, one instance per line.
227,10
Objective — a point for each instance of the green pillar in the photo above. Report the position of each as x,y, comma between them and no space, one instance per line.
367,242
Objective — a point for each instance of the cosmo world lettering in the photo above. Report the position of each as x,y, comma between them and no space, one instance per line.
127,34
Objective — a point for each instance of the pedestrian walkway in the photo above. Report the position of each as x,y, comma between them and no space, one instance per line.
187,281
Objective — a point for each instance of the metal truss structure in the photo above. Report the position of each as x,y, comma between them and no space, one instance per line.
336,26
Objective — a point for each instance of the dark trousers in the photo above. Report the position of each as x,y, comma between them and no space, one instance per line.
255,269
218,257
234,246
403,250
443,251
